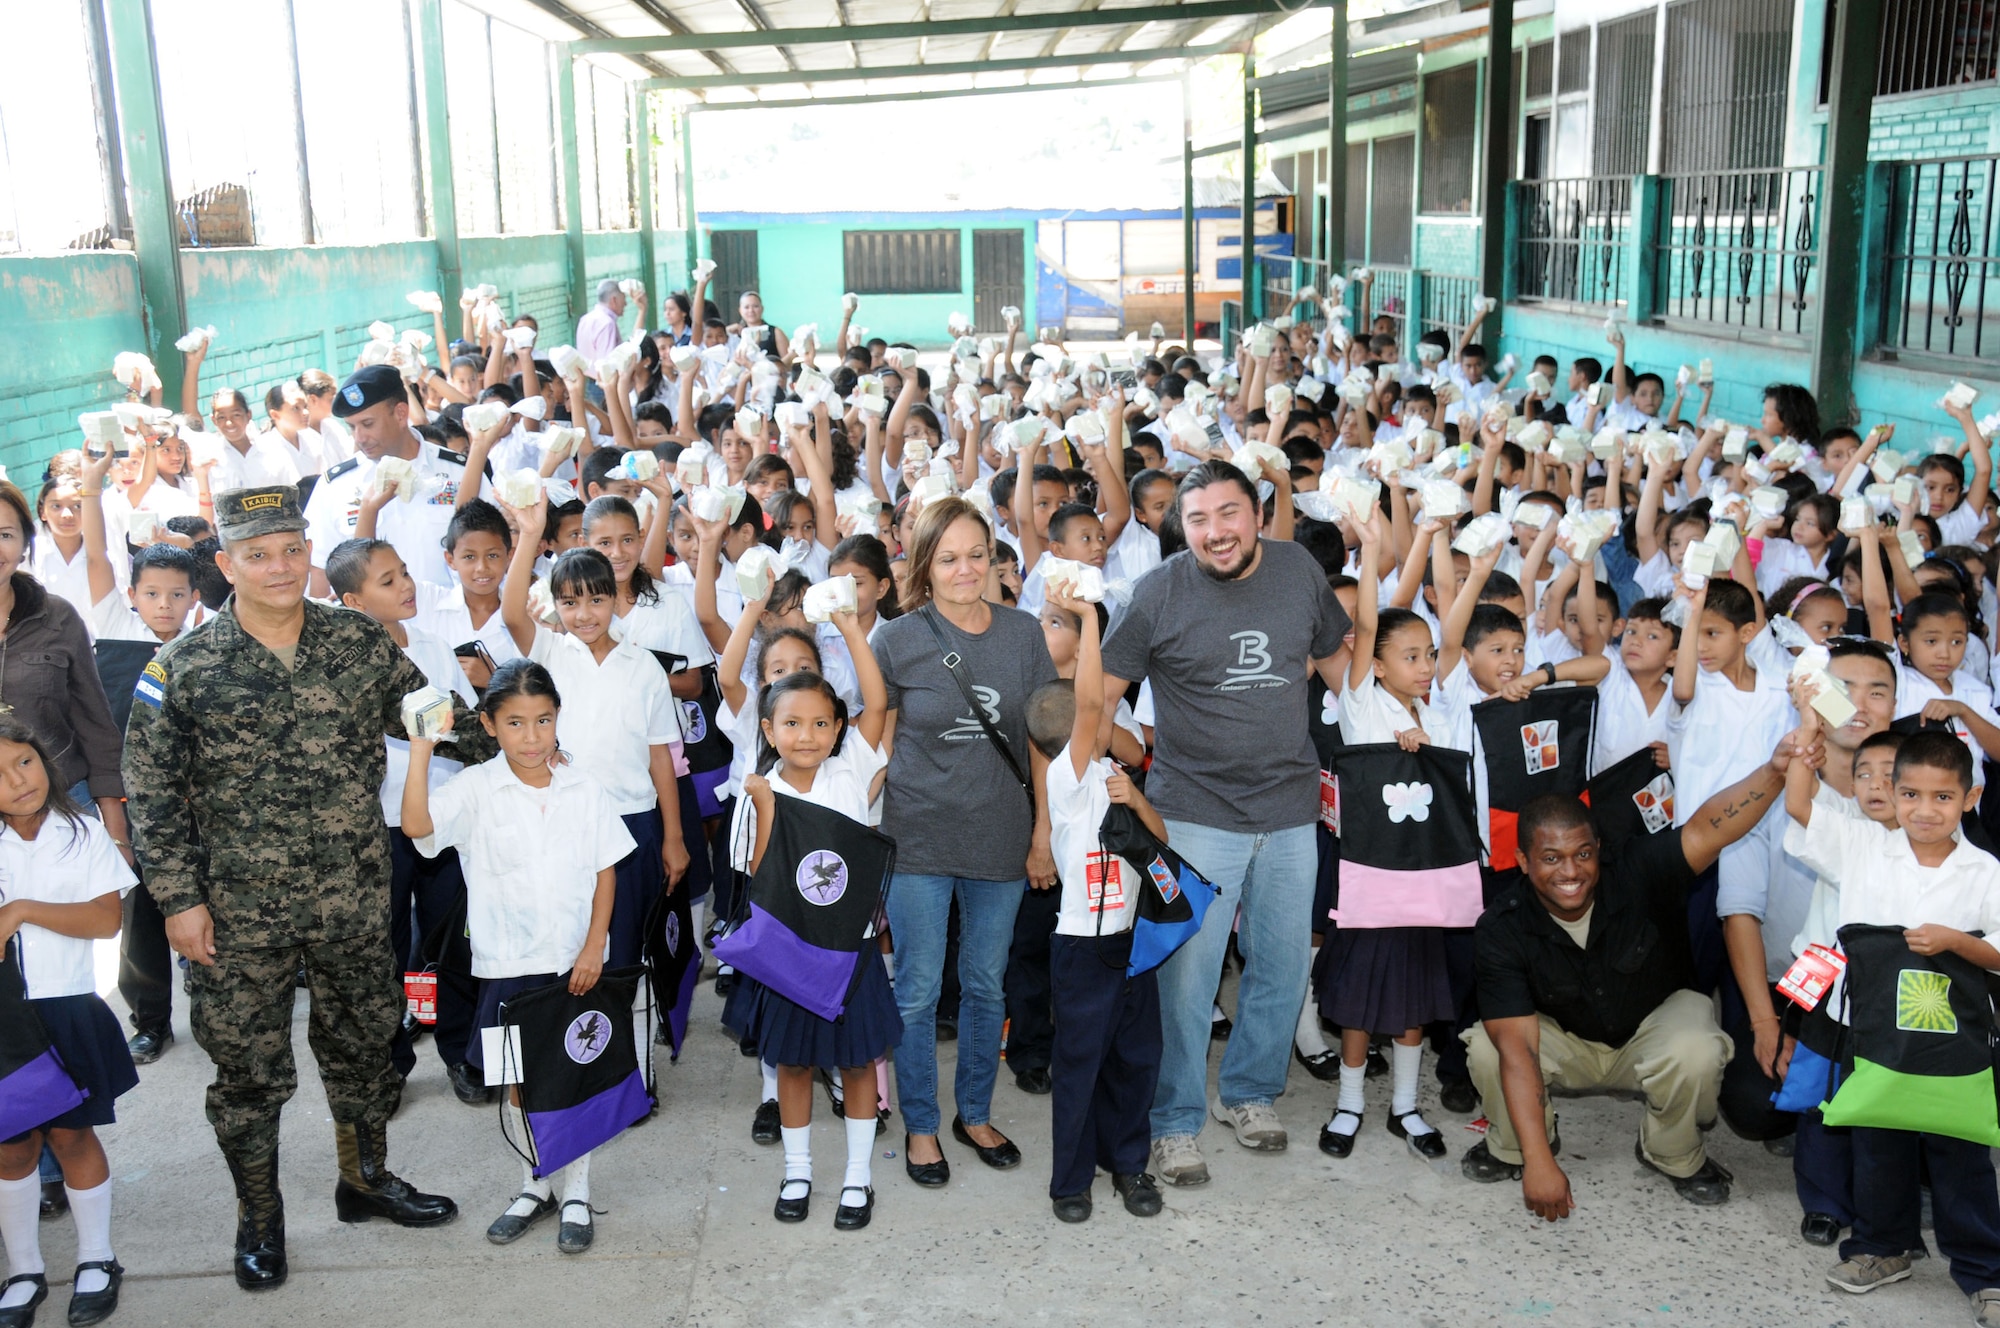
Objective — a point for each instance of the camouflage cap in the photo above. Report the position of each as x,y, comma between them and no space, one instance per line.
242,514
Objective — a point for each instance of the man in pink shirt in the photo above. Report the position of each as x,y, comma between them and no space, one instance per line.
597,331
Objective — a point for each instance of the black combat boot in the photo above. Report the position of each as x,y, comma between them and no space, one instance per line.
368,1188
260,1222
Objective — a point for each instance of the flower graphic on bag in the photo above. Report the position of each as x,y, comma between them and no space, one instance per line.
1407,802
1329,709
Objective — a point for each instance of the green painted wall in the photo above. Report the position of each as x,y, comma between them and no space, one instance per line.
63,317
801,266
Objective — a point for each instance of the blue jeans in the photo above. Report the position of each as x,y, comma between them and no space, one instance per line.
1271,877
918,909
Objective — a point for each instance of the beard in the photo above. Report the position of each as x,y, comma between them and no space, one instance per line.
1210,570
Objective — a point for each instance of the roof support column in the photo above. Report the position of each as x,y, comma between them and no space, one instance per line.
642,190
1335,241
1190,267
572,181
437,132
1838,335
1496,169
693,237
155,227
1253,295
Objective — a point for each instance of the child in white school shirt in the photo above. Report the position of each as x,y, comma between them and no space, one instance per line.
540,844
154,601
1105,1061
624,726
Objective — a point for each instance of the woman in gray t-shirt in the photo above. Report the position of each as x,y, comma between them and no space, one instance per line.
962,824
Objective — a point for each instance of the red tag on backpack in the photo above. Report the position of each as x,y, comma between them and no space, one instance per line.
1329,801
420,996
1812,975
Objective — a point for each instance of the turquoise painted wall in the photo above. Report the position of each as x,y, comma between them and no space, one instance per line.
63,317
801,266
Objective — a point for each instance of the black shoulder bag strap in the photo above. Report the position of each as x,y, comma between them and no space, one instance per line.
954,664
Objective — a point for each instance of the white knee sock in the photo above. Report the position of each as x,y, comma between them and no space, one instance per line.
1309,1039
517,1128
576,1189
798,1161
1406,1062
770,1081
860,1154
20,1232
1347,1107
91,1211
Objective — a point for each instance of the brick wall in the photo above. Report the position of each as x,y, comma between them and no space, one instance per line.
1450,247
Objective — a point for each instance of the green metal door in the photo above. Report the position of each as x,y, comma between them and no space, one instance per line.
996,276
735,255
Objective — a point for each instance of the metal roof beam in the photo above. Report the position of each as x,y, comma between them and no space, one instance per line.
967,68
799,103
1199,11
562,13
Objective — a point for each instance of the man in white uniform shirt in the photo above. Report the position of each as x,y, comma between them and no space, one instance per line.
376,407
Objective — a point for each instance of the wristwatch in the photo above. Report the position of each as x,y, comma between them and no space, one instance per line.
1550,669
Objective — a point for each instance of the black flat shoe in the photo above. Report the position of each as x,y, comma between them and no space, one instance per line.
1219,1030
1429,1145
1707,1187
507,1228
853,1217
88,1307
575,1237
147,1046
1378,1064
881,1122
930,1175
1335,1144
468,1085
793,1210
764,1125
23,1316
1459,1097
1073,1207
1324,1067
1035,1080
1002,1156
1820,1229
55,1200
725,982
1140,1193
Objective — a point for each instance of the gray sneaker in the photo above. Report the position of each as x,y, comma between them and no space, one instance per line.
1256,1125
1986,1307
1177,1160
1864,1272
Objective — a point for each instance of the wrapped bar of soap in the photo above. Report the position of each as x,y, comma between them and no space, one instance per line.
197,337
1534,436
1482,535
1086,428
1756,471
568,361
1661,449
750,423
1311,388
1785,452
639,465
691,467
632,288
481,416
683,359
712,503
1251,457
1566,450
1277,399
1587,531
1443,500
426,711
957,324
930,488
1828,694
1886,463
1498,408
1960,396
1769,503
1684,375
397,474
1704,373
1913,548
1535,516
1426,443
1607,443
381,331
1073,579
862,507
1699,562
1357,498
1391,454
1263,339
789,415
1735,443
128,364
991,405
102,430
1429,352
1903,490
1539,384
755,571
520,338
1599,394
1485,304
1856,515
520,488
1725,540
900,357
1187,429
143,528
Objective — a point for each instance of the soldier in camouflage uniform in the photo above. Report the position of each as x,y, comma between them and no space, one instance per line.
253,761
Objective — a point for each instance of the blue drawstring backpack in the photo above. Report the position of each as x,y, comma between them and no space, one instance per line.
1173,897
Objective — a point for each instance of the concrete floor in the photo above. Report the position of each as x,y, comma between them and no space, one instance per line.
688,1238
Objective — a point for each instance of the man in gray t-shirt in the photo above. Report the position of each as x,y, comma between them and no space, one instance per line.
1226,632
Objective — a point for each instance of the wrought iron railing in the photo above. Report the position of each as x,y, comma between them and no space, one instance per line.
1944,258
1448,305
1740,248
1575,235
1390,295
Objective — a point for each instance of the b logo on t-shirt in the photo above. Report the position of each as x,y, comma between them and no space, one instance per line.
1253,664
967,727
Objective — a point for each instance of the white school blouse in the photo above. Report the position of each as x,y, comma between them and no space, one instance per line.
442,670
613,714
841,784
62,864
531,858
1370,714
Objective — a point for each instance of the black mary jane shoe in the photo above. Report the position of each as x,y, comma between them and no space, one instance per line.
1073,1207
1003,1156
23,1316
765,1125
575,1237
148,1045
853,1217
55,1200
1428,1145
88,1307
793,1210
1820,1229
930,1175
1324,1067
1335,1144
508,1228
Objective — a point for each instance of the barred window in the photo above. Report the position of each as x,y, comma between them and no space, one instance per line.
1573,66
1451,146
1541,68
1927,45
903,262
1622,113
1725,88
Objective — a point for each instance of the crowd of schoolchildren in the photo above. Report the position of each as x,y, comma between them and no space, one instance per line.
618,548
